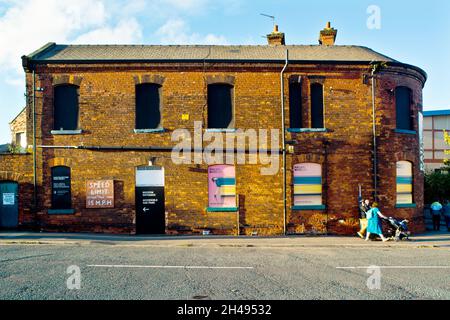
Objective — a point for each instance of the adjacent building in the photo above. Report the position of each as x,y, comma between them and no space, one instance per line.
435,123
107,118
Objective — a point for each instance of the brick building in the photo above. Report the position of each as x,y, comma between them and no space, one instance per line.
18,128
435,122
104,119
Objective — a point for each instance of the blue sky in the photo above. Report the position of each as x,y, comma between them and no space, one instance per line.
411,31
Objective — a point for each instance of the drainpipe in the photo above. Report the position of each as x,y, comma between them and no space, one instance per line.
374,132
283,143
34,143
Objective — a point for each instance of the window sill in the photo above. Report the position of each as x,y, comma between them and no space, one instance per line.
301,130
221,130
61,211
406,205
66,132
234,209
403,131
159,130
300,208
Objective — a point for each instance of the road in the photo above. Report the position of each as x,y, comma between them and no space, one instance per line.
127,272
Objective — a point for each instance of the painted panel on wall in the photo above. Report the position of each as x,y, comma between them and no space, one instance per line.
307,184
404,182
222,186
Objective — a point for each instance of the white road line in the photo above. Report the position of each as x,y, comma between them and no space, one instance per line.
162,267
397,267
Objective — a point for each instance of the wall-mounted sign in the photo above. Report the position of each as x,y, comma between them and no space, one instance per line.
222,186
150,200
100,194
8,199
307,184
61,193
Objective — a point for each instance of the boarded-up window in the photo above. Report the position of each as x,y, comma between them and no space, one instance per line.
220,106
404,182
222,186
295,104
61,188
65,108
317,116
148,106
403,108
307,184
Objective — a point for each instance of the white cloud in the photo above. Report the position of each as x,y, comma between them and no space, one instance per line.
125,32
29,24
187,4
176,31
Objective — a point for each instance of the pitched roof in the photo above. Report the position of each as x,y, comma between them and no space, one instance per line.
67,53
61,53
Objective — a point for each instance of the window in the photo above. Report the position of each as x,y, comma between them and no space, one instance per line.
308,185
21,140
222,188
61,188
403,108
220,106
295,104
404,183
65,112
148,106
317,114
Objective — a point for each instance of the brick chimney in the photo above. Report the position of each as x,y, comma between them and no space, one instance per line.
328,36
276,38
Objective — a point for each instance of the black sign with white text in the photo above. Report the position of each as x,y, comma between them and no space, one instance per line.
150,210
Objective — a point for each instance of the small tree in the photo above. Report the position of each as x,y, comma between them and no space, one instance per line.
447,141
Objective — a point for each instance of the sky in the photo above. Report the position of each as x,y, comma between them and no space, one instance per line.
413,32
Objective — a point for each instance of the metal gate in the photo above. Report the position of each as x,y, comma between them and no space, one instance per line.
9,206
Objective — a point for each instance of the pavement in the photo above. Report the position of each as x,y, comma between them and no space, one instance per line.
430,239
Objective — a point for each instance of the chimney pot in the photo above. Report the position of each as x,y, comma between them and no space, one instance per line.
276,38
328,35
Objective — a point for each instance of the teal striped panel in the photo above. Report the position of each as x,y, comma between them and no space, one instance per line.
225,182
404,180
307,180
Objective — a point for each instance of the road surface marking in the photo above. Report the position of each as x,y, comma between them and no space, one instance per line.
397,267
163,267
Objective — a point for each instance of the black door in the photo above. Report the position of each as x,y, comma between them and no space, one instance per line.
150,201
9,206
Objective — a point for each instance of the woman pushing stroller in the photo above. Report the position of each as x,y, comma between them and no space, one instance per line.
374,217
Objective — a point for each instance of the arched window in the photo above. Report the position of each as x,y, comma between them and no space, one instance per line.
403,101
222,187
317,109
148,106
65,107
61,188
220,106
307,185
404,182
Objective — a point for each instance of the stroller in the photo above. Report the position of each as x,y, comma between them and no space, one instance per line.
397,230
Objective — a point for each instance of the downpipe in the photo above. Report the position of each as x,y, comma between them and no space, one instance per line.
283,142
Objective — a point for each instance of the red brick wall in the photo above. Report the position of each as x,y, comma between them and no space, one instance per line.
345,150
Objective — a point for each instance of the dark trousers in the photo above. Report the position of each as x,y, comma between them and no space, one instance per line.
447,220
436,222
